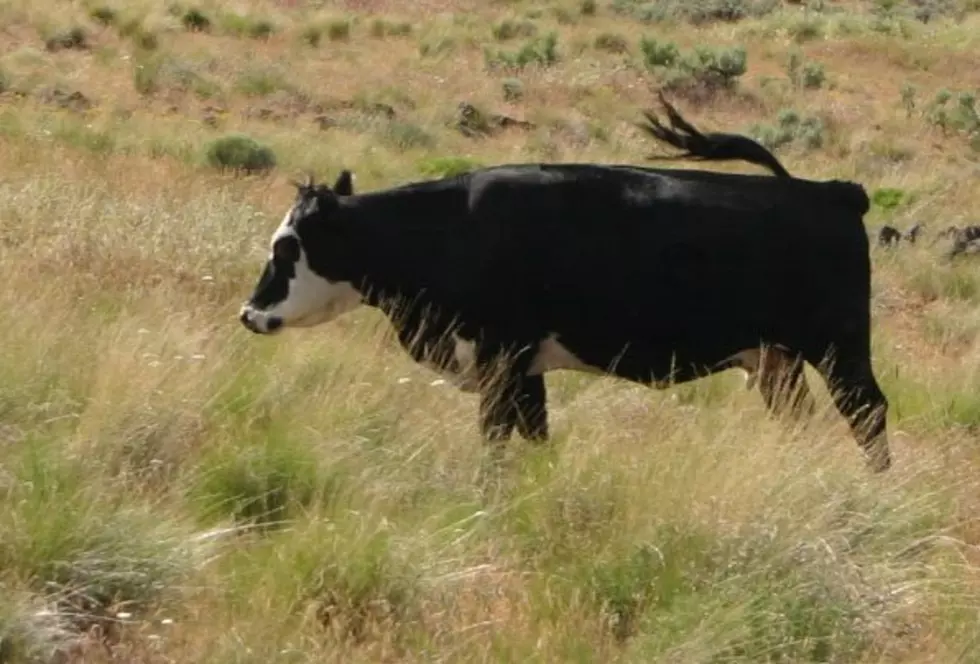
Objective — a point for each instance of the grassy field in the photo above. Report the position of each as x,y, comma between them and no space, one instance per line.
175,489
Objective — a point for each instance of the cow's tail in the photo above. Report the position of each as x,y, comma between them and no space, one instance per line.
707,147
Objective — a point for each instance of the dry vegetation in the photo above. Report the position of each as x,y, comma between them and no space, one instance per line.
173,489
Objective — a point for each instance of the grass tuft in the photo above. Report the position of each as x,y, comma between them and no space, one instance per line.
174,488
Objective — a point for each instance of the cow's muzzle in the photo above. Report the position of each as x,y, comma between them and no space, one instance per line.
257,322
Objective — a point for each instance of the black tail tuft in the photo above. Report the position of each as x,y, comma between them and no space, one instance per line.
707,147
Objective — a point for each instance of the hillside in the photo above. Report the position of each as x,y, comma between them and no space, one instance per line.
174,489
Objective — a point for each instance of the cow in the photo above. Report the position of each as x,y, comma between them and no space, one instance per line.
913,233
656,276
966,240
888,236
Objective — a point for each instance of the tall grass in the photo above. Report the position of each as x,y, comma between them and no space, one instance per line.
173,488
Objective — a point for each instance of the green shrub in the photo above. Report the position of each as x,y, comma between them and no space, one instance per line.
339,30
406,136
195,20
611,43
513,89
806,75
146,75
790,128
511,29
103,15
71,38
888,198
541,51
238,152
707,67
658,54
381,28
438,167
311,34
696,12
241,25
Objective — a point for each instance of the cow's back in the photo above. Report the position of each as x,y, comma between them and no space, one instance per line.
651,254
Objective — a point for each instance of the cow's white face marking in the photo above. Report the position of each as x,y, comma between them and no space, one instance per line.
291,294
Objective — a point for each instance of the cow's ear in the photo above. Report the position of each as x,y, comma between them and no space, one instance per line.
304,187
344,186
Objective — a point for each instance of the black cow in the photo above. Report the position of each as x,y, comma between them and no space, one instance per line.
965,240
889,236
657,276
913,233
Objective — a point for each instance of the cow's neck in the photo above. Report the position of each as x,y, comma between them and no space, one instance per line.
401,248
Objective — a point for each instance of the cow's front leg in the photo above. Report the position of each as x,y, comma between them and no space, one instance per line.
510,398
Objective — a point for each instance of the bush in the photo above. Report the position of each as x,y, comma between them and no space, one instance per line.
238,152
704,67
510,29
339,30
103,15
381,28
809,75
247,26
696,12
657,54
962,117
790,128
612,43
195,20
888,198
311,34
74,37
403,136
513,89
541,51
439,167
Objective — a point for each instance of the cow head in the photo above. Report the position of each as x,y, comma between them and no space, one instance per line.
305,281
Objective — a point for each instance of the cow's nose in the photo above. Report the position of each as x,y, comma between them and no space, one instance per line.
246,320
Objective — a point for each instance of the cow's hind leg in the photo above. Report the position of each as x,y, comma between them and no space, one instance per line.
532,409
861,402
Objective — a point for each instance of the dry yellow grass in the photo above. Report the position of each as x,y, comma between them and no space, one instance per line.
142,430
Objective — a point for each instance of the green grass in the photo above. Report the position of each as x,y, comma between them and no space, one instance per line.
173,488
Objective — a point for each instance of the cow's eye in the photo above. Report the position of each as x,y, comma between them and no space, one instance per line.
286,250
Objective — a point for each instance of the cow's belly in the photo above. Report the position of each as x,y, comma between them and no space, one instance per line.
552,355
461,371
